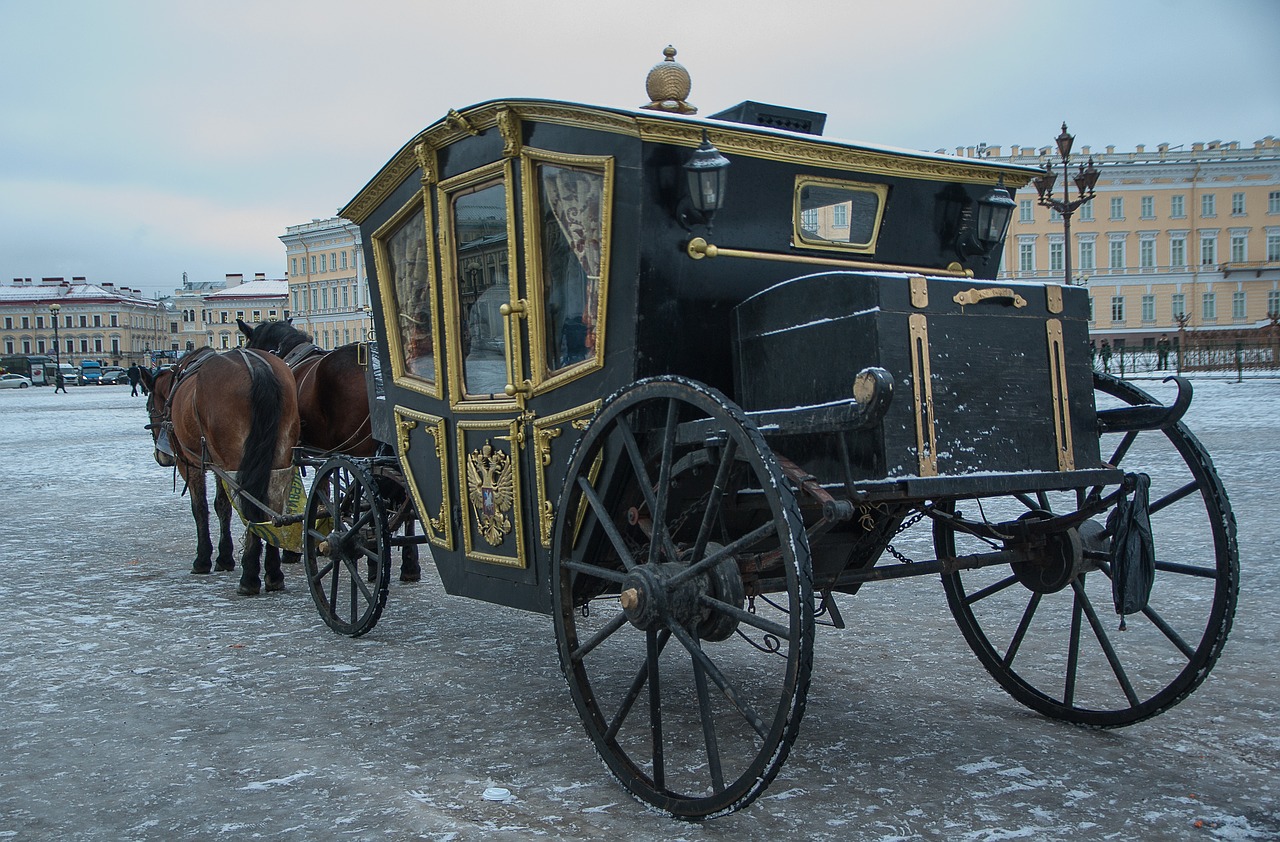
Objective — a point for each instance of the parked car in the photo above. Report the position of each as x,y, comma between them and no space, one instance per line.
14,381
113,375
90,372
70,375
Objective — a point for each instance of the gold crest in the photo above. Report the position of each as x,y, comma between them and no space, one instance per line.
491,488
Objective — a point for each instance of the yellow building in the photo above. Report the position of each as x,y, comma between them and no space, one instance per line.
115,325
328,286
1175,237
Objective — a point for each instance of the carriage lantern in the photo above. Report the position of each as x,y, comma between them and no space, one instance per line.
707,172
994,211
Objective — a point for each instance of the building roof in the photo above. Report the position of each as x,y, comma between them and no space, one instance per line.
62,292
259,288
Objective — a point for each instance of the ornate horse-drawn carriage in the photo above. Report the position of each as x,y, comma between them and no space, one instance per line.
683,420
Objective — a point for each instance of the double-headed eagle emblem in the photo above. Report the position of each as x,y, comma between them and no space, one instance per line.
491,487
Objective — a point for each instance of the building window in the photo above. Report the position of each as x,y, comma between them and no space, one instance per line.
1026,211
1177,252
1208,250
1086,255
324,263
324,298
1237,204
1054,216
1026,257
345,297
293,266
1209,306
1086,212
1273,303
1273,201
315,299
313,264
344,259
1148,308
1117,308
1177,207
1238,305
333,261
1179,308
1208,205
1147,254
1238,250
809,219
1117,207
1148,207
1116,254
1055,257
257,315
1273,247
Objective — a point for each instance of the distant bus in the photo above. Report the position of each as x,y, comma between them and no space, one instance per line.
39,367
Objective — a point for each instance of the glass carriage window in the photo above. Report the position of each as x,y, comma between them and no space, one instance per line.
571,219
838,214
480,237
406,266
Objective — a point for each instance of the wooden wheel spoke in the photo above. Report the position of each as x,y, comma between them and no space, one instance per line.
1168,631
609,575
1021,632
618,621
708,726
1187,569
989,590
1122,449
322,571
656,503
716,497
730,549
606,523
1082,599
730,691
650,666
653,648
754,620
1173,497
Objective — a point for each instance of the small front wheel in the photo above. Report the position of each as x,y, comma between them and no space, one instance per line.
346,546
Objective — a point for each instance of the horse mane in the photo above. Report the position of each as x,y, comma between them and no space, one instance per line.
279,337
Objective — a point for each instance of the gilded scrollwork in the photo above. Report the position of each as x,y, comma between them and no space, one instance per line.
509,127
456,120
427,161
436,526
545,431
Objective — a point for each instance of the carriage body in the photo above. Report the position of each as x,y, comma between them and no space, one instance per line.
676,431
461,224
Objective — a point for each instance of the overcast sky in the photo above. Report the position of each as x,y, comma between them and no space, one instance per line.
140,139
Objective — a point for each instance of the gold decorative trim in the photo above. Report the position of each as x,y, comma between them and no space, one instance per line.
439,529
509,128
456,120
1053,298
545,430
390,300
428,162
922,389
683,132
542,381
699,248
975,295
491,477
460,401
1058,392
799,240
919,291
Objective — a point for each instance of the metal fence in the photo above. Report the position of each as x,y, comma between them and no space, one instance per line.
1208,356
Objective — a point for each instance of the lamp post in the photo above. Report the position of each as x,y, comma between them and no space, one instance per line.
1084,180
54,309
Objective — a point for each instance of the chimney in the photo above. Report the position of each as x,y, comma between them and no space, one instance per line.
234,280
75,280
1197,147
1142,147
50,281
1015,150
108,285
259,276
1111,150
1084,150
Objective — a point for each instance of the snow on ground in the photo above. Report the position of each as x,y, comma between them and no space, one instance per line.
141,702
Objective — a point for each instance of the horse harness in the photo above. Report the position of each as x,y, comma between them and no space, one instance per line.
295,357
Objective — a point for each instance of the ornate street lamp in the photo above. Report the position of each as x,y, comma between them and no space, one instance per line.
1084,180
54,309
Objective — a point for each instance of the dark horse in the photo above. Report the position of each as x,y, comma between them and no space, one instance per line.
237,410
333,403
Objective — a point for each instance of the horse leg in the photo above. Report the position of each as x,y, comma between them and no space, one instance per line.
409,569
273,574
226,551
200,511
251,566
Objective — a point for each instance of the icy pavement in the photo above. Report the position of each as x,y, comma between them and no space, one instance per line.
141,702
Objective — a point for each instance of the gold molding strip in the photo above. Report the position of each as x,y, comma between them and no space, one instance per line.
438,528
1058,392
474,519
699,248
922,389
544,431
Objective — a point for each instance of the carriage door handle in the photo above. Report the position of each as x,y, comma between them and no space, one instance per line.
519,309
973,296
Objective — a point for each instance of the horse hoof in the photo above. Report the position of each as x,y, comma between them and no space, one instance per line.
275,586
200,571
249,590
225,567
410,577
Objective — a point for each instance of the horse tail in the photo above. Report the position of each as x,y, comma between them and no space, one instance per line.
265,397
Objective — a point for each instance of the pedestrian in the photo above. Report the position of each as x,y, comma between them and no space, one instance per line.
1106,356
1162,352
135,376
60,383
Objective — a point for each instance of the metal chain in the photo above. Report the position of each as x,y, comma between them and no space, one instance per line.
906,524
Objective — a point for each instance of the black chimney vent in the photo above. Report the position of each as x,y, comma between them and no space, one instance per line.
774,117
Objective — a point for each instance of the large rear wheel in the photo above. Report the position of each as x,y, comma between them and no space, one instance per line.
1047,630
683,598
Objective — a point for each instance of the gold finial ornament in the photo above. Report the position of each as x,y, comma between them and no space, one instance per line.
668,85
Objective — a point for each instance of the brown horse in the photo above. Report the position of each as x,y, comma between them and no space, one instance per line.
237,410
333,403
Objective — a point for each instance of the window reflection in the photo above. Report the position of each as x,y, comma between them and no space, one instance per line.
406,253
839,214
480,230
572,219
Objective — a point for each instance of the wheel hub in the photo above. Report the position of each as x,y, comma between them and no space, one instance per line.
651,598
1054,565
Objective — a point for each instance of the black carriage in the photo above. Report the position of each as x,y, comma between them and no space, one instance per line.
687,419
